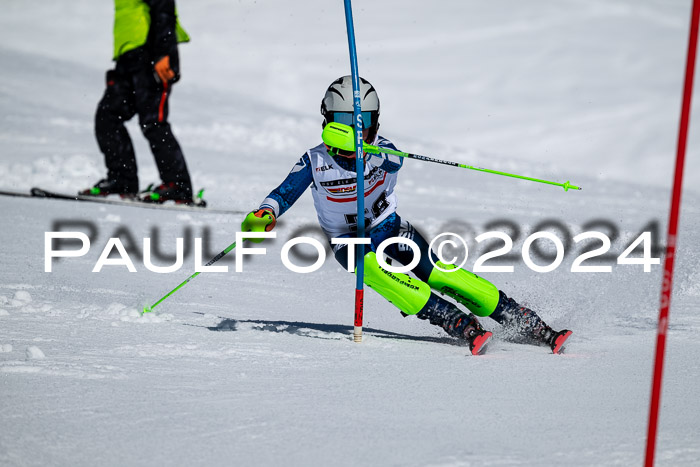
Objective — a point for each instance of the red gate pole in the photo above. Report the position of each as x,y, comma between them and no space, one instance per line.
666,287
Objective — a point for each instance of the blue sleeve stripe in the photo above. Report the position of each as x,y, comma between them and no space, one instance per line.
289,191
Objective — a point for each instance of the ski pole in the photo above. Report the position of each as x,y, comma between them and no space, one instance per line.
357,146
339,136
148,309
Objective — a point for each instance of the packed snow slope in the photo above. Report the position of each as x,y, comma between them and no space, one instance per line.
257,367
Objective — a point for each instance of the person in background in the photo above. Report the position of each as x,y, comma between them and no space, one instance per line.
146,37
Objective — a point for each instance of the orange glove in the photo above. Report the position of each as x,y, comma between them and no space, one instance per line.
163,70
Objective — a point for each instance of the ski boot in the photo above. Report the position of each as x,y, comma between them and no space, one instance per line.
106,187
171,191
526,323
456,323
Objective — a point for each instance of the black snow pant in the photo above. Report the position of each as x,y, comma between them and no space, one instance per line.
132,88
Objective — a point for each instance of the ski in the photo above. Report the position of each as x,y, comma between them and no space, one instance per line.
480,343
41,193
560,340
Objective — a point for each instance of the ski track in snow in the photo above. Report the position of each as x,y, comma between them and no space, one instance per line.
258,368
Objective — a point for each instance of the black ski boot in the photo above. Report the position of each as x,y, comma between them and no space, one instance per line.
106,187
524,322
181,193
456,323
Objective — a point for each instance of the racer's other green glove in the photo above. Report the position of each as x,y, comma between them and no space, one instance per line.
262,220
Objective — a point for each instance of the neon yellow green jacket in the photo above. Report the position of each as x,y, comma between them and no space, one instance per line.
152,23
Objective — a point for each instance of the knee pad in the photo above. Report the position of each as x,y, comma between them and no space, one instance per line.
477,294
408,294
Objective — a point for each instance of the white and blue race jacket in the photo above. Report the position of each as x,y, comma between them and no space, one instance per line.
334,188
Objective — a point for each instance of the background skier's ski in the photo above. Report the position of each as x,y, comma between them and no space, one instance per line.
41,193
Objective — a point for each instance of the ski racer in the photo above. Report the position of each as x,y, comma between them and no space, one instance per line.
146,34
332,177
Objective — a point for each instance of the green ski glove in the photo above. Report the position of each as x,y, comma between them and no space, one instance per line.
262,220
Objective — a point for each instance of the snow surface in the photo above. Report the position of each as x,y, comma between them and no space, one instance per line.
258,368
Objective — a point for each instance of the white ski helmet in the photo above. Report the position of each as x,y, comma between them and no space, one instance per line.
338,104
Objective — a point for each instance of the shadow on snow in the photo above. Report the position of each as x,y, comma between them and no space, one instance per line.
306,329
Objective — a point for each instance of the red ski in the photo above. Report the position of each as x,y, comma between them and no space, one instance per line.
559,340
478,345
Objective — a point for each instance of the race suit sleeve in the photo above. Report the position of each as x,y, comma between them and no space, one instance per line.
289,191
386,162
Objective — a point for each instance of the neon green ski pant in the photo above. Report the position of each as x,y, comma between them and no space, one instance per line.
472,291
410,295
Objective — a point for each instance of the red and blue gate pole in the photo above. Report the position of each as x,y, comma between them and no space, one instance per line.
360,169
666,287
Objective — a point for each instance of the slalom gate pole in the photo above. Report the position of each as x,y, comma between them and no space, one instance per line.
666,287
339,136
360,169
148,309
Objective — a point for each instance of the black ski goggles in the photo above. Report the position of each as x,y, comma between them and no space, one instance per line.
348,118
